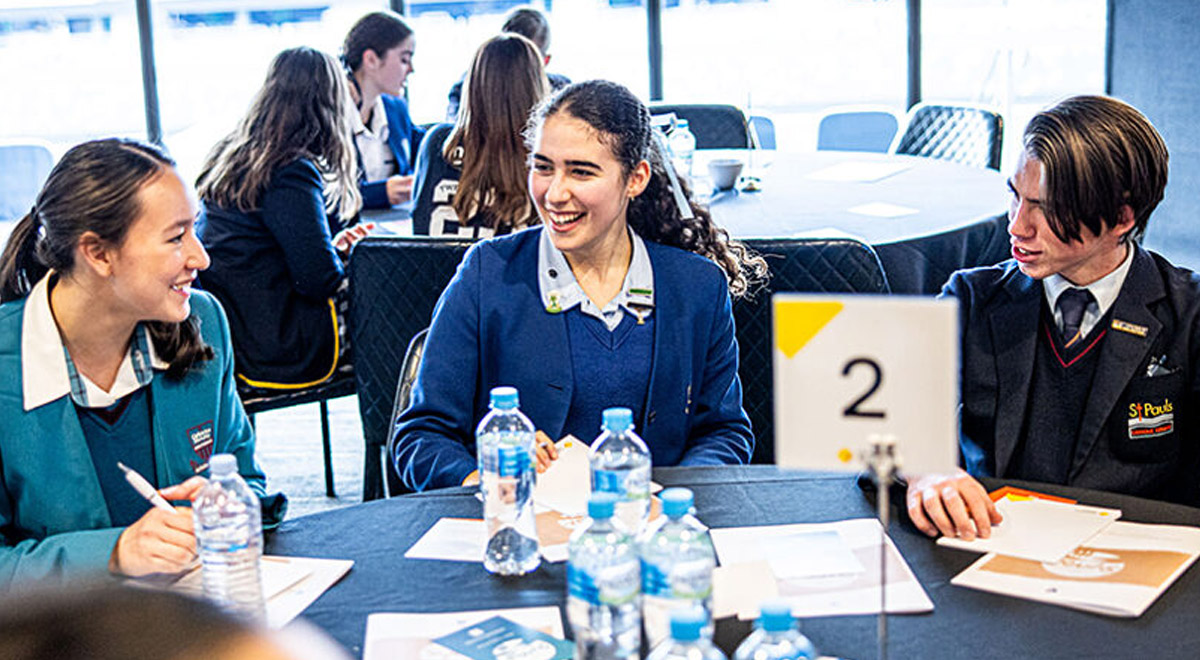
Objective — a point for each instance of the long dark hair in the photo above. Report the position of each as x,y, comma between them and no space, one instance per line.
94,188
302,111
623,123
504,84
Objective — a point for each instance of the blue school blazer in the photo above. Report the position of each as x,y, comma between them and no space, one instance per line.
490,328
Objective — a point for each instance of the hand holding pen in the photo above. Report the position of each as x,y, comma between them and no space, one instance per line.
162,540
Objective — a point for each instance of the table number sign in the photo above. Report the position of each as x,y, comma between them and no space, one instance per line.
849,367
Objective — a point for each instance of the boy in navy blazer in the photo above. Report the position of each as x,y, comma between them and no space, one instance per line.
1079,353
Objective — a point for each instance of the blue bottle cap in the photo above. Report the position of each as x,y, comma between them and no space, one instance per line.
617,420
601,505
686,624
681,123
505,398
776,616
676,502
222,465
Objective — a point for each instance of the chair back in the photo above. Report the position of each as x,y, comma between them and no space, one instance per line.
961,134
23,170
797,265
865,129
394,284
715,126
762,132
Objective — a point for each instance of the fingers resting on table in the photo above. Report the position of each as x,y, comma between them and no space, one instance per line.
952,505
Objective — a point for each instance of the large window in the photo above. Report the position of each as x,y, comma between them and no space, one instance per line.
785,59
1016,56
588,39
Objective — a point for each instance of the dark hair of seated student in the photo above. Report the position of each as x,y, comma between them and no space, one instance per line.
94,189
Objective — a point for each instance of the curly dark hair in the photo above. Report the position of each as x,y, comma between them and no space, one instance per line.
623,124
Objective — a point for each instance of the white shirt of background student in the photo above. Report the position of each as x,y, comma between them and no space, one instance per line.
382,74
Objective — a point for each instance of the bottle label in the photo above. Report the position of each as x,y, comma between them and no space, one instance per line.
581,585
655,581
514,461
609,481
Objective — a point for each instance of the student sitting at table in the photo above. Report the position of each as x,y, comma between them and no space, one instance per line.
1079,355
531,24
620,298
471,175
378,54
110,356
277,193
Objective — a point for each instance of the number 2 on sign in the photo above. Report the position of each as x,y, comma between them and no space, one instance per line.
853,410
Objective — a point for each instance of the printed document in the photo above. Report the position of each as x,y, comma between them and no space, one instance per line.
410,635
1038,530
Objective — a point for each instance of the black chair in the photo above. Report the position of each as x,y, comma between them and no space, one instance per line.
797,265
394,284
256,400
715,126
961,134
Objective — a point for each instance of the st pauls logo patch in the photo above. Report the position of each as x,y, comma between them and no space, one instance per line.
1151,420
201,439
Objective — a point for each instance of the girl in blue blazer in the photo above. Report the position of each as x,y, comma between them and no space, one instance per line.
106,355
378,54
621,298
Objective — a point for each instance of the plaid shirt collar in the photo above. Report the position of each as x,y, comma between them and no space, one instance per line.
48,373
560,290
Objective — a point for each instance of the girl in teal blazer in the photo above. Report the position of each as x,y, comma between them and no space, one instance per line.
106,353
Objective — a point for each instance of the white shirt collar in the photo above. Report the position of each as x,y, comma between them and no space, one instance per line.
560,290
45,376
1104,291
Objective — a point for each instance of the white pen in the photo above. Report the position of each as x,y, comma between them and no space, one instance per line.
144,488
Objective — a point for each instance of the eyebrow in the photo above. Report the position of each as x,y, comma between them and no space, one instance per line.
181,223
570,163
1013,189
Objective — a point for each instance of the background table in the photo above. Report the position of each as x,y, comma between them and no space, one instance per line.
957,221
965,623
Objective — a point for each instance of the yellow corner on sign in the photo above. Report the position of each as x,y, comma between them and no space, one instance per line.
796,323
844,455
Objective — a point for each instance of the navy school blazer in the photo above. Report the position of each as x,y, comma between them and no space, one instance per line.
404,137
1159,309
490,328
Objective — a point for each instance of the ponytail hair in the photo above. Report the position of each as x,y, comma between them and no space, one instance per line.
94,188
623,124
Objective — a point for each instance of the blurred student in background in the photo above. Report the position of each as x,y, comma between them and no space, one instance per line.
471,174
378,55
531,24
107,354
279,197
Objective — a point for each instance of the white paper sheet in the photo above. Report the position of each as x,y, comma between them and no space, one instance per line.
400,635
1038,530
824,593
1119,572
862,171
451,539
566,485
883,210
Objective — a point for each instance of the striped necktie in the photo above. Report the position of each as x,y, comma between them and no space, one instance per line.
1072,304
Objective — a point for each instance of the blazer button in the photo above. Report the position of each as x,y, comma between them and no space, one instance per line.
650,417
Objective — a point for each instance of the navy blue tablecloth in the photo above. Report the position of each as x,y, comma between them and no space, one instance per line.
964,624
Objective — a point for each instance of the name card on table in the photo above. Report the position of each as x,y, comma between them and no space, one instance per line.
850,367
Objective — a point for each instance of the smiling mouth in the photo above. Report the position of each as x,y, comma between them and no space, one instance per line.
183,287
564,219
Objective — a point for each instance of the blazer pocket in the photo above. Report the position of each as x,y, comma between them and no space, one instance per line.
1149,424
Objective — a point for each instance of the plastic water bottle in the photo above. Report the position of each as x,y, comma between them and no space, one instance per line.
603,580
504,441
228,526
620,465
683,146
677,565
776,637
687,641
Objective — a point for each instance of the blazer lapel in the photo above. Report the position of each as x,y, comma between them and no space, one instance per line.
546,362
1121,353
1014,327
